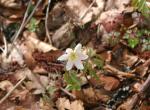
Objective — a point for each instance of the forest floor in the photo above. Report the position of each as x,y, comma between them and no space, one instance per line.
109,68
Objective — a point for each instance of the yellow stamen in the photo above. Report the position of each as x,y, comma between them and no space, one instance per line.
73,56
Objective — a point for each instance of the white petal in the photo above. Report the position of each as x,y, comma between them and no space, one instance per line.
69,65
79,64
82,56
78,48
69,50
63,57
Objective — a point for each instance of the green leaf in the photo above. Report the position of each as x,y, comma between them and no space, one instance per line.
99,63
142,6
33,25
133,42
89,70
51,90
91,52
72,80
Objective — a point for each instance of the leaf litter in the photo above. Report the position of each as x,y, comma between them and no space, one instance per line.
115,35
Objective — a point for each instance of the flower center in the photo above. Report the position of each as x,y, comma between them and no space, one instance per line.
73,56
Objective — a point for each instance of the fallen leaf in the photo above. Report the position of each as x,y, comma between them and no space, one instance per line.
6,85
63,103
76,105
129,60
35,44
91,96
110,83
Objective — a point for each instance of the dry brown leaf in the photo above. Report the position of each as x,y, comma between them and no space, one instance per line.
6,85
79,7
143,69
47,62
33,43
63,34
57,17
44,105
91,96
17,108
14,56
21,95
76,105
110,20
110,83
129,60
83,11
63,103
34,82
119,4
9,3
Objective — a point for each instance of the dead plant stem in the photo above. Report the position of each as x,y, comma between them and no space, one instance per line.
46,23
9,93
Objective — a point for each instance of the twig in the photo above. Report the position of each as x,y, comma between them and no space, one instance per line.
117,72
22,24
65,91
46,23
9,93
87,10
30,16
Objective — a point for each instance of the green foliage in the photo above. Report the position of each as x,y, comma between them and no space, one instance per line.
91,52
146,44
113,38
138,36
98,62
73,82
133,42
33,25
89,70
133,37
142,7
51,90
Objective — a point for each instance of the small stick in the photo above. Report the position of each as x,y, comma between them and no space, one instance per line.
46,22
9,93
117,72
65,91
22,24
87,10
30,16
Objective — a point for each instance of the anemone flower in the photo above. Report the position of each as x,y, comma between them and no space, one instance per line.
74,57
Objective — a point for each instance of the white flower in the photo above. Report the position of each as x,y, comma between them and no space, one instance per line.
74,57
